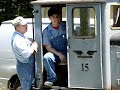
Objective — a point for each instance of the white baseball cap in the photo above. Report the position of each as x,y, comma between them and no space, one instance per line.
19,21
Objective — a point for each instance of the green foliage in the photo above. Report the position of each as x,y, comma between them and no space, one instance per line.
9,9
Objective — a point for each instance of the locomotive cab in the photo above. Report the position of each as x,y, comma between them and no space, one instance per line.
83,35
89,53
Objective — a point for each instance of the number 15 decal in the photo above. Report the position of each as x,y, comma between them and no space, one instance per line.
85,67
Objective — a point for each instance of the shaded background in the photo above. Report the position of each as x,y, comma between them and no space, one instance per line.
9,9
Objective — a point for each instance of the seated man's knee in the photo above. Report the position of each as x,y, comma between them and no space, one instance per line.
48,56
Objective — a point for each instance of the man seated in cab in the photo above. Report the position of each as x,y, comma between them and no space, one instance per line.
55,42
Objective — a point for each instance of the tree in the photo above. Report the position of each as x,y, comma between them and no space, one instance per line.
9,9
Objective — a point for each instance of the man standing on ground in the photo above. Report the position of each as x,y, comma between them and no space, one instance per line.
23,49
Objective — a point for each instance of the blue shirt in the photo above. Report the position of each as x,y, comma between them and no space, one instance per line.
56,38
21,47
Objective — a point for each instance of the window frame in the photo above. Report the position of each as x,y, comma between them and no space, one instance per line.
73,23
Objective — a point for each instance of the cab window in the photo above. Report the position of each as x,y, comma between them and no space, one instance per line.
115,17
83,22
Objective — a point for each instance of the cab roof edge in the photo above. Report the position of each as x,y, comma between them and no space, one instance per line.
44,2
